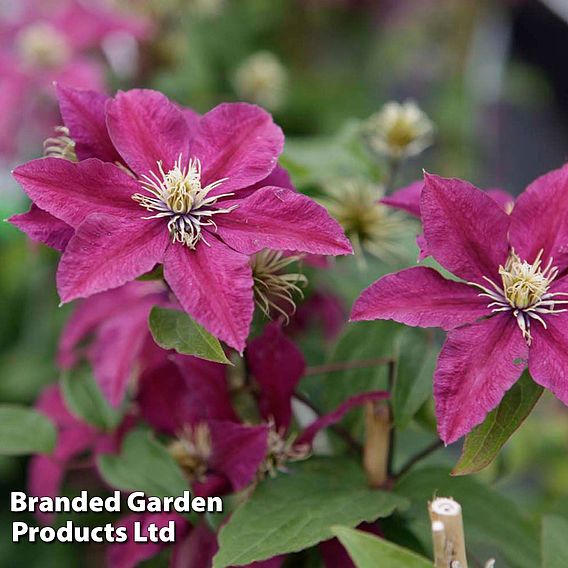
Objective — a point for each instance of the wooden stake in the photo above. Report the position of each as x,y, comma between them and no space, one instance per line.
377,442
447,533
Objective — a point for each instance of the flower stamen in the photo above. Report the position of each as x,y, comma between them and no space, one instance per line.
524,291
178,195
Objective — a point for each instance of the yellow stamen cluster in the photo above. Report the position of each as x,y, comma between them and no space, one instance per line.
524,291
179,196
273,287
192,451
398,130
41,45
370,225
61,145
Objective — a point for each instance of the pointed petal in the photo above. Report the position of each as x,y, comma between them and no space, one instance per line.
503,198
196,550
281,219
540,218
238,141
466,231
116,349
238,451
71,191
277,366
146,127
44,228
308,435
407,198
548,357
213,284
420,297
83,113
477,365
184,390
108,251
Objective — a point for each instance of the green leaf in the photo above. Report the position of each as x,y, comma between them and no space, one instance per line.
490,519
25,431
85,400
363,341
416,356
485,441
172,329
143,465
295,511
369,551
554,542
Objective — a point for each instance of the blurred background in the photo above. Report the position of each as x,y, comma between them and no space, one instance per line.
489,74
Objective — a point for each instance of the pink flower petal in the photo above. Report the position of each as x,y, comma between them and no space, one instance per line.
238,141
117,347
540,218
130,554
422,247
421,297
466,231
97,309
72,191
213,284
196,550
281,219
308,435
146,128
83,113
477,365
107,252
45,477
44,228
503,198
238,451
407,198
184,390
548,355
277,366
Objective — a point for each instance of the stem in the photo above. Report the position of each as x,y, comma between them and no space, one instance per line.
391,379
337,428
346,366
447,533
394,165
437,444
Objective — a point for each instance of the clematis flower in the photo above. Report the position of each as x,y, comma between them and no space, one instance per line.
43,43
110,330
179,204
508,309
46,473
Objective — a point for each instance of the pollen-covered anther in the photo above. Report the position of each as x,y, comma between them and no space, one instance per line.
274,288
192,451
524,291
179,196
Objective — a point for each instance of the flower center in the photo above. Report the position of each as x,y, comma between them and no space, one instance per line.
178,195
524,291
41,45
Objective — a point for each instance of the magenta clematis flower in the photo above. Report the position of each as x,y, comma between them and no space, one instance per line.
110,330
181,204
46,42
509,307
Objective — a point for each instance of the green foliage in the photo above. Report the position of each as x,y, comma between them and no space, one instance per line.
490,519
172,329
483,443
416,355
554,542
25,431
85,400
368,551
362,341
143,465
297,510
